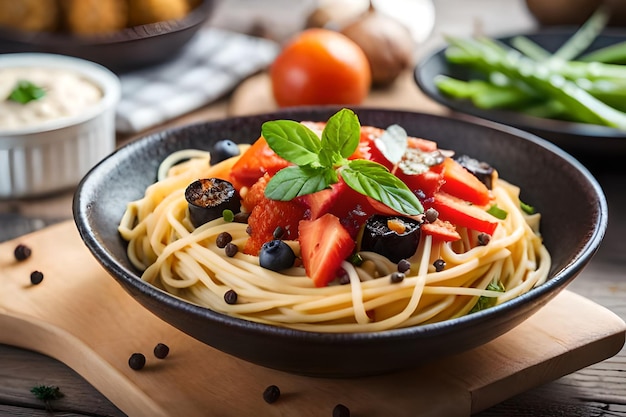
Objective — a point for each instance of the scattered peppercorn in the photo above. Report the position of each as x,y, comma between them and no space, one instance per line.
22,252
341,410
230,297
397,277
223,239
137,361
278,232
36,277
249,230
439,265
271,394
231,249
241,217
431,215
161,350
483,239
404,265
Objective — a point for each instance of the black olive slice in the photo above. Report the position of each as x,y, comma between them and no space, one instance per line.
394,237
208,198
481,170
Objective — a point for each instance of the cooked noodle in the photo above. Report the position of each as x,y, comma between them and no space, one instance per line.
186,262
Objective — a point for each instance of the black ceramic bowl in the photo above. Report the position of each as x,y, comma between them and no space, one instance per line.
121,51
579,139
574,221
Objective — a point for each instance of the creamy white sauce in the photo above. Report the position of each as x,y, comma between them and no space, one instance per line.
67,94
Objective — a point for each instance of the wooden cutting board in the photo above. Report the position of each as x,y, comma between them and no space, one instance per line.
82,317
254,95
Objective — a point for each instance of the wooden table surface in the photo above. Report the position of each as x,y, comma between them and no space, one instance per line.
598,390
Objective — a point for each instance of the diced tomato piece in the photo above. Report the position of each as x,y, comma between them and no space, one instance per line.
369,135
256,161
324,245
376,155
426,184
462,213
441,230
461,183
422,144
322,202
266,215
363,151
353,209
255,194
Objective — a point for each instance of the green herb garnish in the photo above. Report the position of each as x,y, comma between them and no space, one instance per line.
497,212
228,215
319,163
25,91
47,393
486,302
356,259
526,208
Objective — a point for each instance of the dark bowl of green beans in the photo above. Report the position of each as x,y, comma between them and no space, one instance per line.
569,91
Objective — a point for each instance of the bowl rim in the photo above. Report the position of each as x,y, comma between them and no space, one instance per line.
196,16
515,119
103,78
556,281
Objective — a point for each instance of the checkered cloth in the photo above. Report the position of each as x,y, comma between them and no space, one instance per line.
212,64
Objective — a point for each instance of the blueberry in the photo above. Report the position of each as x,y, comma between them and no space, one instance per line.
276,255
223,149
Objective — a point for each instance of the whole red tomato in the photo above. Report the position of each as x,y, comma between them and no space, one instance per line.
320,66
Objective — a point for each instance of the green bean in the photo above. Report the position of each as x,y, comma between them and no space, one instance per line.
584,36
545,79
612,54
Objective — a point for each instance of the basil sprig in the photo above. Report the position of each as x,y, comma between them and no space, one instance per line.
320,162
25,91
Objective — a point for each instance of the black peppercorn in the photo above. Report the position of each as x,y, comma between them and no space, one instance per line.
341,410
404,265
278,232
397,277
230,297
223,239
231,249
439,265
36,277
21,252
137,361
483,239
241,217
161,350
271,394
431,215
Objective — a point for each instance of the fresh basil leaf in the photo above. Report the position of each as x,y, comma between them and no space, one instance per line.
497,212
375,181
295,181
341,134
393,143
485,302
25,91
329,158
292,141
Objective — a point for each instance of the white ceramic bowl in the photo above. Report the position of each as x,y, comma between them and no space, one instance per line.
54,155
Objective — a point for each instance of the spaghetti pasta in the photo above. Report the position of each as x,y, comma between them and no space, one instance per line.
186,262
